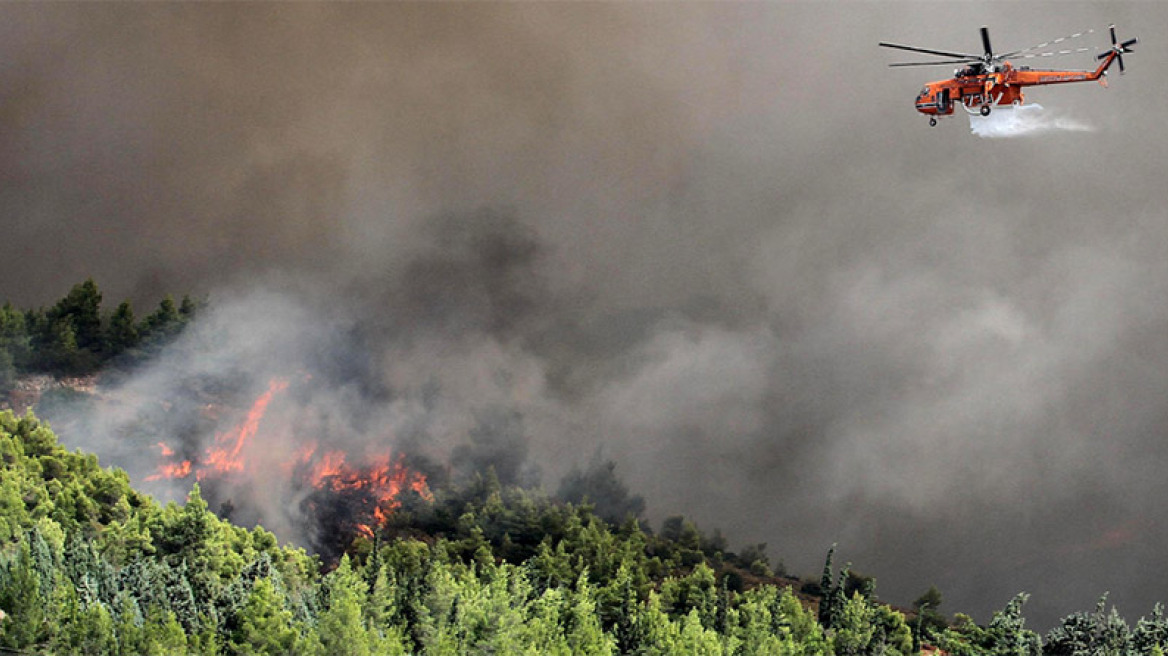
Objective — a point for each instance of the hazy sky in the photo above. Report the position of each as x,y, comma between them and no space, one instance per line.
714,240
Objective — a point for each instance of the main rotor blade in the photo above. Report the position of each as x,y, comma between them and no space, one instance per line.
1059,53
939,53
985,41
1129,43
947,62
1015,53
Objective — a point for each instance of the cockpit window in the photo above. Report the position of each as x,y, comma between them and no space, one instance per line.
925,91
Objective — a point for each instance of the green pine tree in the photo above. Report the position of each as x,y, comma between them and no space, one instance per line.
265,626
341,625
82,306
122,333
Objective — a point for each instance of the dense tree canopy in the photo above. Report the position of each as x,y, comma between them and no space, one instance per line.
75,337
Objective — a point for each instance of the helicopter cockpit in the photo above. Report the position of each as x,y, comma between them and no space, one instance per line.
969,71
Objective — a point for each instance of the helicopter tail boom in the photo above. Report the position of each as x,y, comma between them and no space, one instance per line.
1024,77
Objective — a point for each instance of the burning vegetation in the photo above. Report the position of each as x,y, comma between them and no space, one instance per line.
341,496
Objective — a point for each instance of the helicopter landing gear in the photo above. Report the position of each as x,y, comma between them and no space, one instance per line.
985,110
932,122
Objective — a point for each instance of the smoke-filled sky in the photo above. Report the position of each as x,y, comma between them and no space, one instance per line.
713,241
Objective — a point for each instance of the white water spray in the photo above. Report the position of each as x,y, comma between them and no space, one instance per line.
1023,120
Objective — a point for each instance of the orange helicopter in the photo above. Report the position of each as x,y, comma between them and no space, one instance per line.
988,79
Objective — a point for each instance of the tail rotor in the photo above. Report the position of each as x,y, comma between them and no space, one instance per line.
1119,49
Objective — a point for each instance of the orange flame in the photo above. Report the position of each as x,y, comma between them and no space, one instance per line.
223,457
329,468
383,481
171,470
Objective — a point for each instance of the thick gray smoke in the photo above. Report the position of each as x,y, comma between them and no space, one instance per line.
714,240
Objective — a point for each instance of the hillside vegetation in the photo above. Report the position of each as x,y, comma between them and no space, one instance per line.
88,565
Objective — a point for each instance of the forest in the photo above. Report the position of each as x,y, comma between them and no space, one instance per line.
90,565
74,337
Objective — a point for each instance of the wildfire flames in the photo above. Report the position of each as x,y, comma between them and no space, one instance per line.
369,490
379,482
224,456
